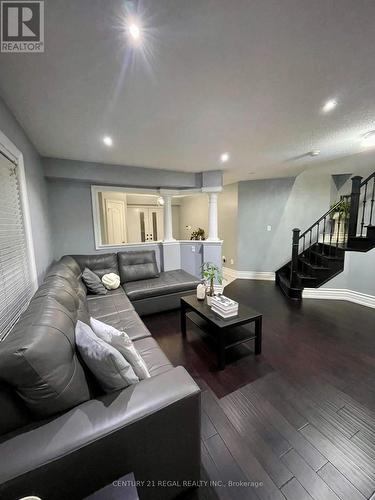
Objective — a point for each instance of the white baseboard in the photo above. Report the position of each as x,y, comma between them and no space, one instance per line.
249,275
339,294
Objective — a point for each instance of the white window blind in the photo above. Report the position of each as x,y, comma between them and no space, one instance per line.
15,280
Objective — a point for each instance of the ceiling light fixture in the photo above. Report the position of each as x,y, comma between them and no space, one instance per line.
314,152
368,140
134,31
329,105
224,157
107,140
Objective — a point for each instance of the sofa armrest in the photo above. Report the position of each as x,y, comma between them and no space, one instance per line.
140,429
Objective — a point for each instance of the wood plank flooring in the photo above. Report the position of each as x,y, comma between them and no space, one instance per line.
297,422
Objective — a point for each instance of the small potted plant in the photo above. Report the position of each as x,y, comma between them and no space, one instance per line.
210,273
198,234
340,220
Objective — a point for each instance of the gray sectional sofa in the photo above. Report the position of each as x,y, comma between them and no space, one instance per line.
60,436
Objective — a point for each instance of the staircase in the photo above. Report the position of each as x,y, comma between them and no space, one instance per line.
318,254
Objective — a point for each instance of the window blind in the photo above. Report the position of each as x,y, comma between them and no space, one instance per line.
15,280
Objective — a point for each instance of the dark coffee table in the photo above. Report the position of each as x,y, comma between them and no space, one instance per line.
227,332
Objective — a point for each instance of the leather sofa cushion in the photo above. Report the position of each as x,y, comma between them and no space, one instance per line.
115,309
38,359
62,271
100,264
155,359
127,321
114,302
91,422
60,278
140,265
13,412
168,282
61,291
73,265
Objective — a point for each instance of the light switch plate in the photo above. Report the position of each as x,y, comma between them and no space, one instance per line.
269,228
193,248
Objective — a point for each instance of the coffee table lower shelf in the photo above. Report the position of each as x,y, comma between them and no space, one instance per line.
225,337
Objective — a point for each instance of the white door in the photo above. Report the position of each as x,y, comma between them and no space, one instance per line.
156,224
137,222
144,224
115,216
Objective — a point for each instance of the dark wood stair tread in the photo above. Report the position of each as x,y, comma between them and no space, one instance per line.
303,276
325,256
358,238
313,266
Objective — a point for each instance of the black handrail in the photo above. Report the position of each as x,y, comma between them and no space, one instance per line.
332,209
367,213
368,179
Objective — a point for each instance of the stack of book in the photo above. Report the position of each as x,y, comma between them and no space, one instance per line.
224,307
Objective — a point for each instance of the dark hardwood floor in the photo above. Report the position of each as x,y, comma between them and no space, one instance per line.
296,422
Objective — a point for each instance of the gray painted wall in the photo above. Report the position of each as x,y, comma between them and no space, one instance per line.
283,204
36,189
193,212
358,275
71,218
361,272
228,223
261,203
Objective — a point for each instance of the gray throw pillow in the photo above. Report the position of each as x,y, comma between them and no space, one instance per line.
109,367
93,282
121,341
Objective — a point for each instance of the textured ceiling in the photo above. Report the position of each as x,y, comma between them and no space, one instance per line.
244,76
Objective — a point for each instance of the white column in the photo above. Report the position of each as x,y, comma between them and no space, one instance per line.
212,217
168,234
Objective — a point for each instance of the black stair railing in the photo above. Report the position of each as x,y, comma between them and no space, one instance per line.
331,230
346,219
354,205
366,203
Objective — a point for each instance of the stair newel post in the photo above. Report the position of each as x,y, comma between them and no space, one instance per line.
354,206
294,262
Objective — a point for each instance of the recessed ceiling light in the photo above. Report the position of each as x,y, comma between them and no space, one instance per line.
368,140
107,140
134,31
224,157
314,152
329,106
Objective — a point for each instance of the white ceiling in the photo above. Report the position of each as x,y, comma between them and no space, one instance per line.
243,76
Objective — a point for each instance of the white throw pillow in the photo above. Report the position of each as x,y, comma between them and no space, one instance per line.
106,363
122,342
111,281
